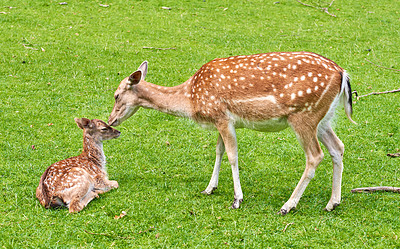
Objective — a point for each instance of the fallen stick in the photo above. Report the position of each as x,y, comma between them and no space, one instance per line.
287,225
321,8
375,93
393,155
375,189
158,48
398,70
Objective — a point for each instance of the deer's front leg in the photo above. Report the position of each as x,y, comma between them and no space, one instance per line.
214,178
228,134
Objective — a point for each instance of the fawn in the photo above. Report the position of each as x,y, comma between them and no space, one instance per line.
265,92
75,181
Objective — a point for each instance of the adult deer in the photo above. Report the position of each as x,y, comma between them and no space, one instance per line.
264,92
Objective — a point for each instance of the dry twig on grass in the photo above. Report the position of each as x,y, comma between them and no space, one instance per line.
321,8
393,155
158,48
398,70
374,189
374,93
287,225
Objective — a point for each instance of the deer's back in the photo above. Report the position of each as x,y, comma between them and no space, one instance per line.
264,86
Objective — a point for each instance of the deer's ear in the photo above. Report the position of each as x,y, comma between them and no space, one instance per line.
143,69
83,123
135,78
139,75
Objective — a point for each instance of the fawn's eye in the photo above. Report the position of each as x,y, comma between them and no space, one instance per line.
117,97
104,129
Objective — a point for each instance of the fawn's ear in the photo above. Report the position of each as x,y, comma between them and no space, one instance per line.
83,123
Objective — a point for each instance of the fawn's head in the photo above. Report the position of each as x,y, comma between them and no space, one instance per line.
127,101
97,129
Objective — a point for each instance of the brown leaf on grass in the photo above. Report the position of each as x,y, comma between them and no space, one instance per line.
117,217
393,155
157,235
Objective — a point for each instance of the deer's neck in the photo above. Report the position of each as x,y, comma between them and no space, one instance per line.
172,100
93,150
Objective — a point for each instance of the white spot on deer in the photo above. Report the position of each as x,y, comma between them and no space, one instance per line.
222,76
293,96
294,67
316,88
242,78
322,84
281,95
303,77
269,98
300,93
261,77
299,62
315,79
309,74
308,91
295,79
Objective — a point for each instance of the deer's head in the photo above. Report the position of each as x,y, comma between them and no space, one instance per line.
127,99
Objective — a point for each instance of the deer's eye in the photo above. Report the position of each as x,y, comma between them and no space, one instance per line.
117,97
104,129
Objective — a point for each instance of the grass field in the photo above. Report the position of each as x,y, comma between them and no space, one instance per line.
58,62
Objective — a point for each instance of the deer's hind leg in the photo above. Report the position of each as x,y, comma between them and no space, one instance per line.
307,136
336,149
76,189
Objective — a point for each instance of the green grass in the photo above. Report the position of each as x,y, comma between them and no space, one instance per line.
58,62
